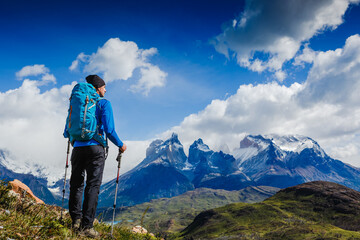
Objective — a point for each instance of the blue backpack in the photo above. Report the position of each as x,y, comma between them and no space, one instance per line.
81,121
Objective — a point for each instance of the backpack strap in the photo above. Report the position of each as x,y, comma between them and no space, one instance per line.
98,137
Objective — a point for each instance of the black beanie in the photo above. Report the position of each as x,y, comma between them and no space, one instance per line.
95,80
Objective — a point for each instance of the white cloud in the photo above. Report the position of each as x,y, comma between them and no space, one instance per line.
36,70
32,123
32,126
75,64
48,78
334,77
276,30
307,56
280,75
135,153
150,77
33,70
326,107
117,60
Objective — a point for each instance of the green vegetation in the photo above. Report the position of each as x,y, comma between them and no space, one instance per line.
24,219
300,212
286,215
168,215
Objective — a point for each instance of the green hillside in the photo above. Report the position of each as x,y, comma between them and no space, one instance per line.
316,210
24,219
174,214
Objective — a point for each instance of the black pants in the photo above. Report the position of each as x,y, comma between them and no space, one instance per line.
89,159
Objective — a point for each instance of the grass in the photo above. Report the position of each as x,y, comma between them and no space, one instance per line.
24,219
169,215
275,218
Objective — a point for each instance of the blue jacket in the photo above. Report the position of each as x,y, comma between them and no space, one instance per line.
105,119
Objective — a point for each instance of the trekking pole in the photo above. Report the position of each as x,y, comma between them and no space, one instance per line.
117,184
66,167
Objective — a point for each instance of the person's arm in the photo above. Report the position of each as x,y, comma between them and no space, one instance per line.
107,120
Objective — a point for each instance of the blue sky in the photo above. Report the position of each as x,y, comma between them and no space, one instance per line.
54,33
212,69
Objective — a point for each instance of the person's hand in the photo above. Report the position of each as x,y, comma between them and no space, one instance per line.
123,148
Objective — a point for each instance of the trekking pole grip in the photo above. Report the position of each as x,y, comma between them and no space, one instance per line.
118,158
68,147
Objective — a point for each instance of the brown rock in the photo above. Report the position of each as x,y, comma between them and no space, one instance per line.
139,229
22,189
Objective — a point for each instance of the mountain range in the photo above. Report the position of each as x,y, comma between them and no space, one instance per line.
166,171
283,161
269,160
31,175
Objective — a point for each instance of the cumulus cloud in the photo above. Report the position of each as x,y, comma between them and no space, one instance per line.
334,76
326,107
75,64
33,70
32,123
31,126
118,60
150,77
306,56
36,70
269,33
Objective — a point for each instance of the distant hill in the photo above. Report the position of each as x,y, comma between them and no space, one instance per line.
174,214
315,210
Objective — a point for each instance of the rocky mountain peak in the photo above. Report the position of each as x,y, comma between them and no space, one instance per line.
197,142
296,143
168,152
153,146
259,142
199,145
174,138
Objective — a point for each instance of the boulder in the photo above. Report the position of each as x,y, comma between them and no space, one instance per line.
23,190
139,229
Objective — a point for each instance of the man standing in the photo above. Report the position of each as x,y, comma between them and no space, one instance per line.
89,157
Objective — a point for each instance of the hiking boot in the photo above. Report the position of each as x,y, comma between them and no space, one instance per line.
90,232
76,224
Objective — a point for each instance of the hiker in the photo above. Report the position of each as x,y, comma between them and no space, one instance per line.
89,156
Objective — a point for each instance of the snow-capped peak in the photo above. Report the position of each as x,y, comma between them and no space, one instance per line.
295,143
199,144
12,163
250,146
169,151
258,142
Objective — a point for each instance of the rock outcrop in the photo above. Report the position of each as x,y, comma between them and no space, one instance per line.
22,190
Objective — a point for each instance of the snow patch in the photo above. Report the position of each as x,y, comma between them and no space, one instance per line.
295,143
188,166
244,154
203,147
26,167
176,146
55,191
